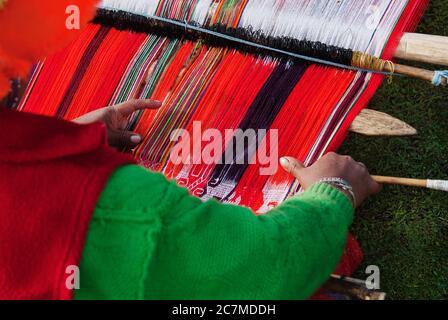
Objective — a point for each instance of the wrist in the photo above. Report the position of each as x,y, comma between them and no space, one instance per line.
341,185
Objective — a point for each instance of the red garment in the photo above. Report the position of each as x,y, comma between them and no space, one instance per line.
51,175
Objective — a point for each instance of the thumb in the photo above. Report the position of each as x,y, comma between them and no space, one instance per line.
292,166
124,140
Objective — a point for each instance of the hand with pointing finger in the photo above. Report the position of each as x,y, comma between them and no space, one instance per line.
333,165
116,119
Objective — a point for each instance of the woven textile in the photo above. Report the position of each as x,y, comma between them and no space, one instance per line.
311,106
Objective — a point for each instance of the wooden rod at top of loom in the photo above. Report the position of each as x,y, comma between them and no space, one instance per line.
423,48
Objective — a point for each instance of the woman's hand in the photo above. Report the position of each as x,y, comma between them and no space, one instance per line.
116,119
334,166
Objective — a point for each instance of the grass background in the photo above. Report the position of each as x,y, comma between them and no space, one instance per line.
403,230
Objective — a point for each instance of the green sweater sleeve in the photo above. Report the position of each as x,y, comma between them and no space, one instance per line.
149,239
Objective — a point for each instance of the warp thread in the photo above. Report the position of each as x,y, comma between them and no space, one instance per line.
122,20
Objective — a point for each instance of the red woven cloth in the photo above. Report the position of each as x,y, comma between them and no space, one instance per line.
52,173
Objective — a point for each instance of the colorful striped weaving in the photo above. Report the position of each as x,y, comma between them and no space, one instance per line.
311,105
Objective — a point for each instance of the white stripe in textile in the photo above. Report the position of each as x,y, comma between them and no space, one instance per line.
351,24
201,12
133,6
363,25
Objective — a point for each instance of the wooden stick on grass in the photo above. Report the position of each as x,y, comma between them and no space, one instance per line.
441,185
413,72
352,288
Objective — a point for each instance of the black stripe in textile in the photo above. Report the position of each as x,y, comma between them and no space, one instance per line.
260,115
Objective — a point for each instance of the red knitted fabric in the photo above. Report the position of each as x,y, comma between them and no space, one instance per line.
52,173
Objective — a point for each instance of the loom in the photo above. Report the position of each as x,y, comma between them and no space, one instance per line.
168,50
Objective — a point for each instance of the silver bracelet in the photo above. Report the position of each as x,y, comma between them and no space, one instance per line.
343,185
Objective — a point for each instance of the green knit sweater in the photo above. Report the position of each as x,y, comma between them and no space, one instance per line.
149,239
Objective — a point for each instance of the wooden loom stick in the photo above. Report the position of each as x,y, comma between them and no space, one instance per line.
413,72
423,48
353,288
366,61
441,185
374,123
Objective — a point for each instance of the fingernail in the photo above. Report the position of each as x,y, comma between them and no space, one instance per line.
136,139
285,162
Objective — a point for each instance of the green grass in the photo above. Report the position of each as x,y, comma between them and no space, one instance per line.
404,230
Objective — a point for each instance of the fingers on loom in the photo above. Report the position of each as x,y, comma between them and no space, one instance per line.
129,107
124,140
292,165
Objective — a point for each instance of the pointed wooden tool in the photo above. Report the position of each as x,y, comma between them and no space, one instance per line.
374,123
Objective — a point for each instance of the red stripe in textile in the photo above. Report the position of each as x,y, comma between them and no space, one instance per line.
81,70
56,75
307,103
104,73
